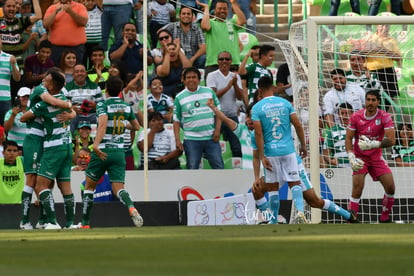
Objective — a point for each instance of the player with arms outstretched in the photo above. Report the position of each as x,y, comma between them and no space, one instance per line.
373,130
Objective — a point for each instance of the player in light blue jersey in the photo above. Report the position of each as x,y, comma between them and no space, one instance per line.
259,189
272,118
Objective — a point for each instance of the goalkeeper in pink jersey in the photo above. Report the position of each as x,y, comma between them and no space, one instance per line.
373,130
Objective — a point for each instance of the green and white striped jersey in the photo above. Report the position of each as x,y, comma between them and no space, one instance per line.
36,125
119,114
57,134
190,109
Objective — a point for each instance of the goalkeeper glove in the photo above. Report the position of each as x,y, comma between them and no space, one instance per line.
366,144
356,163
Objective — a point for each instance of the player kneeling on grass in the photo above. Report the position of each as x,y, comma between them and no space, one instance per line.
373,130
114,115
259,189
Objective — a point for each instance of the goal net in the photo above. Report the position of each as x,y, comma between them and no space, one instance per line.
362,47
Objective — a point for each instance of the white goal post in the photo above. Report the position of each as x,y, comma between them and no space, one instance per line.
316,46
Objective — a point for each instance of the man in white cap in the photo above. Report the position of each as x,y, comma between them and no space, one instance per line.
16,130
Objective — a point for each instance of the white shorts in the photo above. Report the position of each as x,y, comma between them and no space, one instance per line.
284,169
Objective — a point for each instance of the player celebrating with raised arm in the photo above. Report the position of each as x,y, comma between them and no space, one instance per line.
272,118
373,130
114,115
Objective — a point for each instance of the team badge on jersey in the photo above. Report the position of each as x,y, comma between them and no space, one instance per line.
377,122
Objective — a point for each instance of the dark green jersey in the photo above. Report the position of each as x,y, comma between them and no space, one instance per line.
119,114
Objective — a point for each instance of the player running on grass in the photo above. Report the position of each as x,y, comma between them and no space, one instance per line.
259,187
373,130
114,116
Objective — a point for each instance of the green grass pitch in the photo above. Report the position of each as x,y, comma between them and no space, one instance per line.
227,250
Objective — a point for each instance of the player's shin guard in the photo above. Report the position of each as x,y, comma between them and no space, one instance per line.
274,206
334,208
48,203
297,197
87,199
26,200
69,202
353,204
387,203
124,197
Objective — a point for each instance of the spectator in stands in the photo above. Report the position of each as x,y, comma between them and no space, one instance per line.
82,140
85,95
160,102
341,92
11,174
134,95
360,75
67,63
382,50
165,38
257,70
98,73
13,27
82,159
228,88
191,37
201,128
248,8
119,69
66,21
375,5
403,150
129,50
116,13
16,130
336,3
9,70
30,43
160,13
220,33
36,66
162,151
283,81
26,10
139,16
171,68
334,152
93,29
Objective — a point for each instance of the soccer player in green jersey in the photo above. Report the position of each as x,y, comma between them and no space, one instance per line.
114,116
54,166
33,143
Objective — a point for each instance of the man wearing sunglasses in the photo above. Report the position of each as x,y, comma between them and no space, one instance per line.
228,88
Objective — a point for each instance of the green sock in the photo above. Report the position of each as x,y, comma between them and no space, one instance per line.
26,200
42,217
69,202
87,199
124,197
48,203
